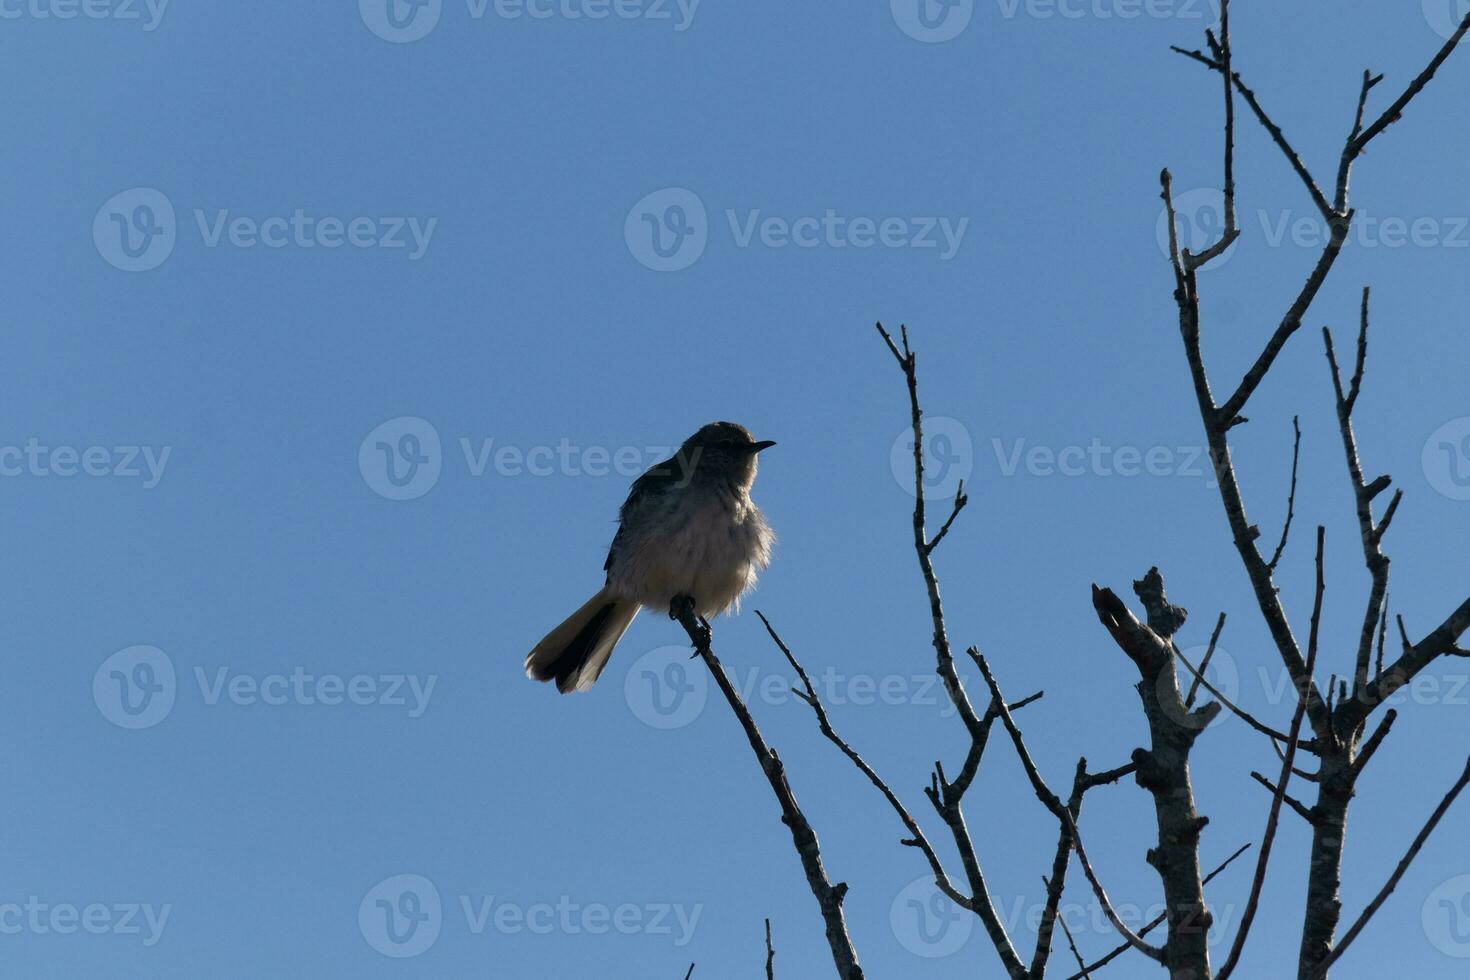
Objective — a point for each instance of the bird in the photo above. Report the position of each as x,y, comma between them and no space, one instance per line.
688,535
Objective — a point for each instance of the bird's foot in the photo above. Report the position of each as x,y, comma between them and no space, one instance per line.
681,606
681,609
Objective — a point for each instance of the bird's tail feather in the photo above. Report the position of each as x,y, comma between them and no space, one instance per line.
575,652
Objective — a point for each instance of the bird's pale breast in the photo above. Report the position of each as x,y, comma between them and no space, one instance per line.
705,544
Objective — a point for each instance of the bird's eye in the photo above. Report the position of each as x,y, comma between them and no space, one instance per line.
726,443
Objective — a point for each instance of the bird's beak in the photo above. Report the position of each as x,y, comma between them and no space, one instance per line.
756,447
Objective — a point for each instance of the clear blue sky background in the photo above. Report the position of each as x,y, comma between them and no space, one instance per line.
529,320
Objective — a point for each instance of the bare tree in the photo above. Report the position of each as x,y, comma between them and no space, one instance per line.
1327,722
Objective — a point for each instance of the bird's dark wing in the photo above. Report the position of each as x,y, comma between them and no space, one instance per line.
658,480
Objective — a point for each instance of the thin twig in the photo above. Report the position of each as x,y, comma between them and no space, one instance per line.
1230,232
960,500
1395,111
1296,455
1071,942
1204,664
1277,135
1301,809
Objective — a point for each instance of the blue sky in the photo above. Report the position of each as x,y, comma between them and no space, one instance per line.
445,245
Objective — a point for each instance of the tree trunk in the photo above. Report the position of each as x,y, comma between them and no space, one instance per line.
1324,906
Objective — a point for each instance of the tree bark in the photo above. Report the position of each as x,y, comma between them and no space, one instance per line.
1163,768
1329,834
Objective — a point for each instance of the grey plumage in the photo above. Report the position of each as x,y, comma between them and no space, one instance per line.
688,528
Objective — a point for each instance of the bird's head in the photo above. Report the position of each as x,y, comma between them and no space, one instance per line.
725,452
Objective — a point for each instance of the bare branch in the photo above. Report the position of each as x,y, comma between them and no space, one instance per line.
829,896
1439,642
1082,781
1365,754
1158,920
960,500
1395,112
1230,232
916,836
1345,162
770,955
1364,492
1051,801
946,796
1291,801
1290,323
1237,710
1277,135
1205,662
1382,636
1273,818
1310,777
1296,455
1398,872
1071,943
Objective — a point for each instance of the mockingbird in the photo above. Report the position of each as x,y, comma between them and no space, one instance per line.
687,534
